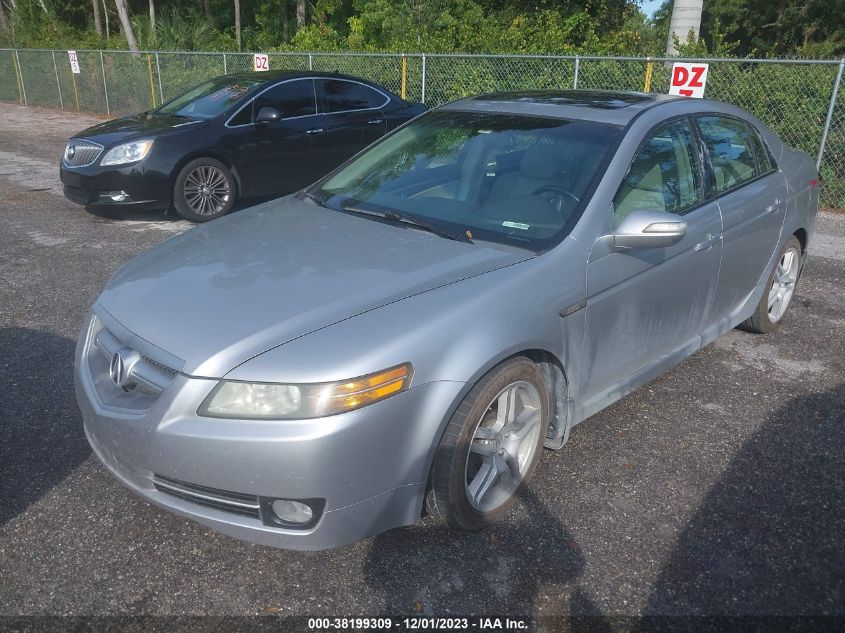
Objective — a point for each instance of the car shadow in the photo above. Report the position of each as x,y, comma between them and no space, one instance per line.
768,537
431,569
42,440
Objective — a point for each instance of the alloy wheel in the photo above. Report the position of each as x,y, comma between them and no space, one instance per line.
783,284
503,446
207,190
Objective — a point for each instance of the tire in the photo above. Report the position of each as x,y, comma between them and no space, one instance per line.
196,204
508,460
784,278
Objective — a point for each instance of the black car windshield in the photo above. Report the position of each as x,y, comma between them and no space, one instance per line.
209,99
507,178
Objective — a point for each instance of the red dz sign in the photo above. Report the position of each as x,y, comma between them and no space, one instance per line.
688,80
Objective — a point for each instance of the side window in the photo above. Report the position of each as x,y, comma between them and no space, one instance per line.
243,117
341,96
731,145
292,98
665,175
375,98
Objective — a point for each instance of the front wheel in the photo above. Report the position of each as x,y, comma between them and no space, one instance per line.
774,302
490,447
204,190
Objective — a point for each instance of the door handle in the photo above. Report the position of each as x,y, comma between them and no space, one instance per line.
316,130
375,121
709,240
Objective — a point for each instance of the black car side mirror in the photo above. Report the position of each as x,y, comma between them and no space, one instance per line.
268,115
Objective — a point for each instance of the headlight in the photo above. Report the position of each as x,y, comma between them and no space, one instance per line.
235,399
127,153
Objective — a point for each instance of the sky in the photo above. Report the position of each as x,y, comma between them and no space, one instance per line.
650,6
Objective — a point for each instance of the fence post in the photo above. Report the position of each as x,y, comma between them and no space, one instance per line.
575,79
423,78
830,110
158,74
105,87
152,83
58,85
310,61
649,68
20,77
404,75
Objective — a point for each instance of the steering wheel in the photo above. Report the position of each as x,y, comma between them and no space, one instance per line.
559,190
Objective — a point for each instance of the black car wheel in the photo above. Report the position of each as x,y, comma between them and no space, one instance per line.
204,190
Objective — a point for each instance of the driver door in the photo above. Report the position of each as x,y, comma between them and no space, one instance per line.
646,304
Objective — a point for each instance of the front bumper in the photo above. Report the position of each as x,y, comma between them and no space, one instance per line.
367,467
90,185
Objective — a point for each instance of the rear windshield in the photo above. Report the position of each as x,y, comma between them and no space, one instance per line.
514,179
209,99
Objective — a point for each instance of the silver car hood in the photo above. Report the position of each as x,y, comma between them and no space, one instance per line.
227,291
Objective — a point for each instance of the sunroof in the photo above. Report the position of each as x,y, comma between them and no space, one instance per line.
604,99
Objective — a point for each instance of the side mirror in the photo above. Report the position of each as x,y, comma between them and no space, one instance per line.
268,115
649,229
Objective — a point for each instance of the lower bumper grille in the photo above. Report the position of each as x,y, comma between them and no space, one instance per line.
81,196
234,502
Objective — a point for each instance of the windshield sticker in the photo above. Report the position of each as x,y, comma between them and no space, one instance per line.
516,225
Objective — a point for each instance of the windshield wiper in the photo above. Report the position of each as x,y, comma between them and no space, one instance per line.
401,218
316,199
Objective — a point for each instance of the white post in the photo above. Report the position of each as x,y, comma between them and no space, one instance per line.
310,61
158,73
575,79
423,78
20,73
58,85
225,67
105,87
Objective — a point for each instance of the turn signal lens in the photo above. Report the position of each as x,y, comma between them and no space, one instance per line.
235,399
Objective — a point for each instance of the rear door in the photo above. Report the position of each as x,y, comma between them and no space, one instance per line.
353,118
751,195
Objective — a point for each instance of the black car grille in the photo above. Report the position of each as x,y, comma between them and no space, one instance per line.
234,502
79,195
79,153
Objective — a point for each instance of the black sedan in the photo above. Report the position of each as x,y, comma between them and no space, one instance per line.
237,136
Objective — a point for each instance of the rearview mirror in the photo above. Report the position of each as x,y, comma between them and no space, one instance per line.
649,229
268,115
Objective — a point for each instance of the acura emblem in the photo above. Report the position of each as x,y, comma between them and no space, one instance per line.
120,366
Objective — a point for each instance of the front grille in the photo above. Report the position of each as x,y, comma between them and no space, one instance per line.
79,153
235,502
78,195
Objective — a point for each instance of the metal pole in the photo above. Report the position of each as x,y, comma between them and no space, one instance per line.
404,75
830,110
225,66
575,79
20,72
58,85
310,61
105,87
158,74
423,78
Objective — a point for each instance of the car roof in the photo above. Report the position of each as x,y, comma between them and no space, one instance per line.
605,106
275,75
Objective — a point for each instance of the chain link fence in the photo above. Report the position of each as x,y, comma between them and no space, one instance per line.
800,99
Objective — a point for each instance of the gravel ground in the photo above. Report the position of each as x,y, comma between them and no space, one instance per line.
716,489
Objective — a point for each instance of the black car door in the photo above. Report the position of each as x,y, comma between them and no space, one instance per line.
353,118
282,156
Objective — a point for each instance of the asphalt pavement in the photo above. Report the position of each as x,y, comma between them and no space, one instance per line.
717,489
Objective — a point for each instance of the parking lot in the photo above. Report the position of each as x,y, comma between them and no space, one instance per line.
716,489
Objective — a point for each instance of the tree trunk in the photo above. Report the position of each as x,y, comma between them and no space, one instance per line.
285,22
300,13
98,22
686,17
238,22
4,23
126,24
206,9
152,17
106,18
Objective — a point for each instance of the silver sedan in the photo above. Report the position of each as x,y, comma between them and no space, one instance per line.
413,329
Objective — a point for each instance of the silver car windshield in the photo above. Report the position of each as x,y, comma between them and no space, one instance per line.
515,179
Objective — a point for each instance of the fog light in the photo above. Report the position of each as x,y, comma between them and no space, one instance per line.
292,511
118,196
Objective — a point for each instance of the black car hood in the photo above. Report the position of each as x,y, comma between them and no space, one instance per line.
136,126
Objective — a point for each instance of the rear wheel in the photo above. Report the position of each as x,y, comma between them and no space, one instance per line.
204,190
774,302
491,446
